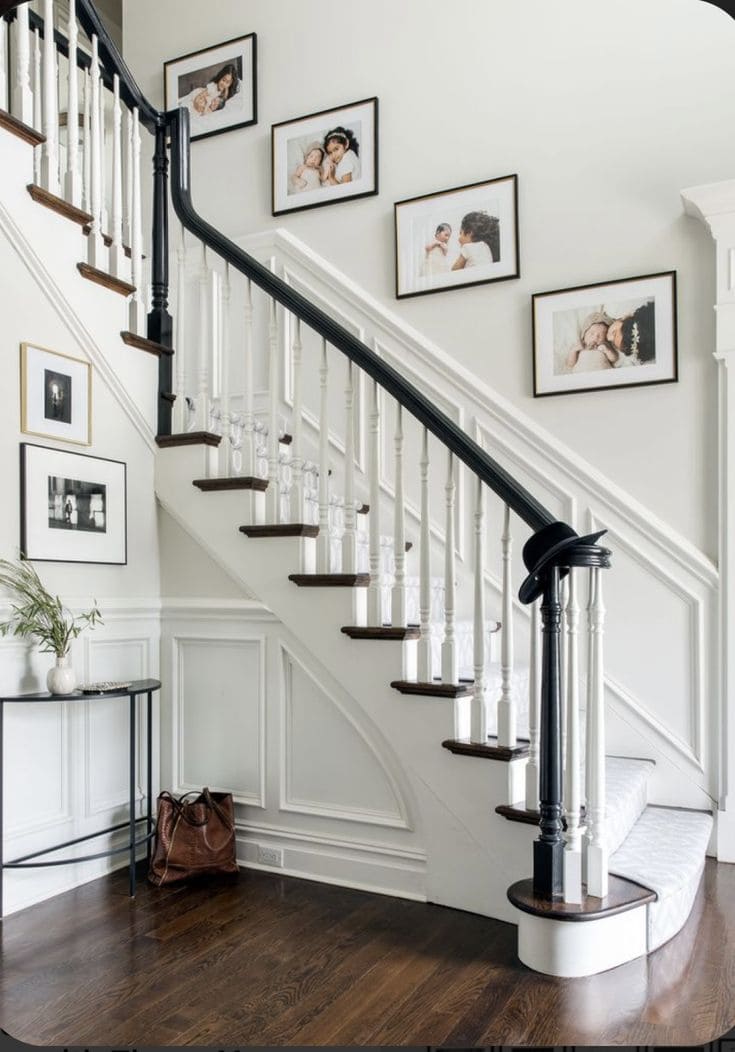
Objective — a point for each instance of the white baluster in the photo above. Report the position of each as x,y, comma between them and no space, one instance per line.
4,101
375,590
596,837
37,102
297,452
449,645
322,544
425,671
534,710
50,149
182,415
138,321
349,537
203,402
23,96
572,779
118,260
225,408
506,704
478,724
103,159
96,240
398,595
129,179
273,493
87,143
73,179
249,441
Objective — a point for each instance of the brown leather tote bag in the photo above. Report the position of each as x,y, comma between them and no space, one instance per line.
193,837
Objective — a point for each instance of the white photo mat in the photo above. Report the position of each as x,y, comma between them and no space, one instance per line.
58,525
240,109
56,395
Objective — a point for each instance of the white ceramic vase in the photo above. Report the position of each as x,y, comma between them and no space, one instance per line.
61,679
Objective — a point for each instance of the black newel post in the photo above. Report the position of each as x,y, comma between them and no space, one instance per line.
160,325
548,849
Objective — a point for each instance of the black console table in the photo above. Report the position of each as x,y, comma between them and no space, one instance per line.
131,692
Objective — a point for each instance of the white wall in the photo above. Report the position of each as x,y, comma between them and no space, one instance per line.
604,111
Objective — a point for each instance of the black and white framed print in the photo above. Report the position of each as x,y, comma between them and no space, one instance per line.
55,395
325,157
453,238
73,507
218,86
611,334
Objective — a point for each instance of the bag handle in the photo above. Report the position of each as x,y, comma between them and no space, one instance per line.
180,809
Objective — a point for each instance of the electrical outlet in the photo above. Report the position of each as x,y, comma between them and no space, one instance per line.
270,856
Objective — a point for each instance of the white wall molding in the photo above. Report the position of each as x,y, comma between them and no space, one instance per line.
232,610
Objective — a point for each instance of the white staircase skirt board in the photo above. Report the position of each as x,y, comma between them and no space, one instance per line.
665,852
572,949
627,795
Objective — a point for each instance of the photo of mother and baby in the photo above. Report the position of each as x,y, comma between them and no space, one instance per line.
604,341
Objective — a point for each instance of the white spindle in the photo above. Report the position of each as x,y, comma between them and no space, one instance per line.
73,178
273,493
23,96
534,710
297,454
597,881
249,437
478,723
375,590
129,179
118,260
398,594
181,413
449,645
37,102
203,402
103,159
87,143
96,240
4,101
425,671
225,407
349,537
322,544
572,779
137,302
506,704
50,149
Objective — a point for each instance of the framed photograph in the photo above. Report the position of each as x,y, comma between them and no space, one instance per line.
611,334
453,238
73,507
218,86
325,157
55,395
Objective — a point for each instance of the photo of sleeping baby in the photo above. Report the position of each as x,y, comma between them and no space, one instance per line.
612,336
325,160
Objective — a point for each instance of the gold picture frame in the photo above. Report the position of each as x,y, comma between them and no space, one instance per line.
55,395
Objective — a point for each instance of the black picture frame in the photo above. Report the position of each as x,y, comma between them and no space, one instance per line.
242,50
73,507
288,153
417,221
639,348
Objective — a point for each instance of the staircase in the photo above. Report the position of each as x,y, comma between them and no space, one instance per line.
358,538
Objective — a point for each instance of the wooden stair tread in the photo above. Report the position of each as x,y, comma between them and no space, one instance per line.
143,344
622,895
19,129
233,482
58,205
107,238
433,689
330,580
363,509
491,751
285,440
287,529
384,632
108,281
188,438
527,815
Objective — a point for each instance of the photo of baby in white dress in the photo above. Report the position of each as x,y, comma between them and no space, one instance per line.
325,161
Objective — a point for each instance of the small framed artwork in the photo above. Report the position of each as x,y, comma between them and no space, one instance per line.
55,395
453,238
73,507
325,157
218,86
610,334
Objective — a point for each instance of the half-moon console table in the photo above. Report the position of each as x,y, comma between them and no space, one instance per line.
132,692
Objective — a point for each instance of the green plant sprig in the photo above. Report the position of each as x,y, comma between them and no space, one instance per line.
38,613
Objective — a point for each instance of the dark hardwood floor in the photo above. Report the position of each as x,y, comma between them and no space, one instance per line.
271,960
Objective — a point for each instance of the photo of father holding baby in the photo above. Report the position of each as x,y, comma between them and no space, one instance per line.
618,334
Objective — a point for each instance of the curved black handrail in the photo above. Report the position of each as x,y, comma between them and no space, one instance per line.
452,436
